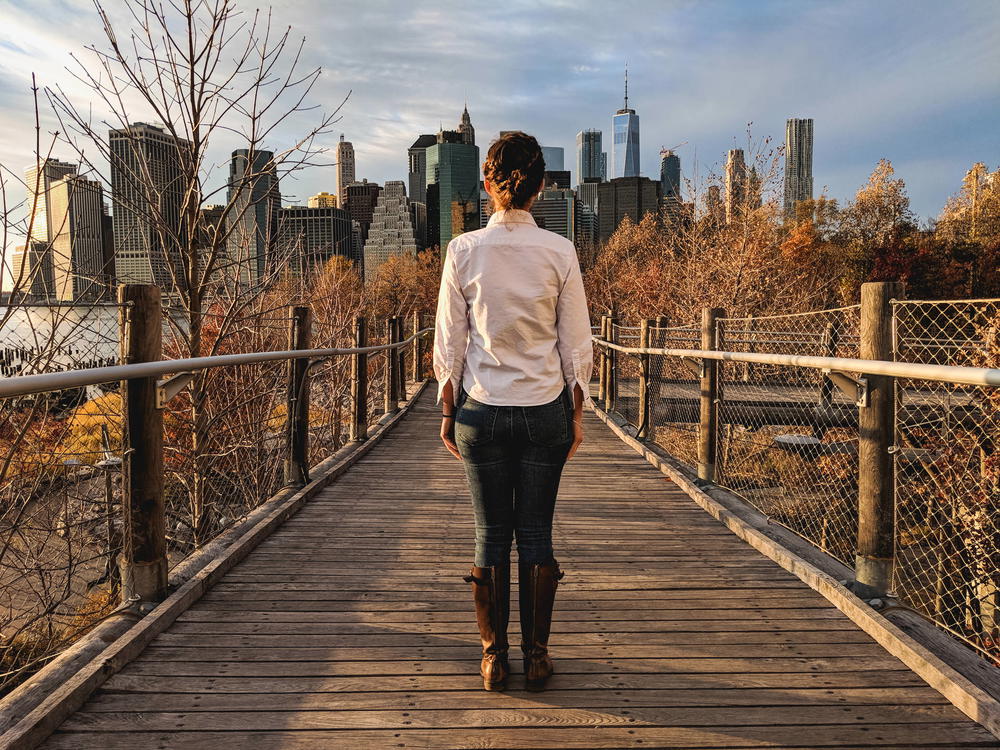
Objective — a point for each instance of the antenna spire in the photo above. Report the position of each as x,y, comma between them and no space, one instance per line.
626,85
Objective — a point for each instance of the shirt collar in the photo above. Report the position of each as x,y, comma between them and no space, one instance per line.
511,216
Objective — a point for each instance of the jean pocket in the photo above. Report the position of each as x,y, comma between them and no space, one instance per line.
474,422
548,424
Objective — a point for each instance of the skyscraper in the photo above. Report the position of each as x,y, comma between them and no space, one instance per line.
417,158
555,158
145,161
670,174
32,269
465,128
76,211
625,196
798,163
736,184
392,230
625,145
313,235
361,198
252,228
323,200
452,188
345,167
588,155
555,209
39,179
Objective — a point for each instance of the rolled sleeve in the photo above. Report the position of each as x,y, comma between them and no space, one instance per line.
573,327
451,328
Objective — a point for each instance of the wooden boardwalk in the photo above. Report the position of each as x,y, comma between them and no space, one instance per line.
352,628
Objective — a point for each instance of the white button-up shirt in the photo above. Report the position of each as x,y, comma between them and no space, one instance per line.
512,321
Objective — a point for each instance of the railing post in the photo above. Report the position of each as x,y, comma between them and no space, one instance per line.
611,386
400,361
297,405
144,558
391,367
359,382
643,432
876,417
417,367
602,362
708,428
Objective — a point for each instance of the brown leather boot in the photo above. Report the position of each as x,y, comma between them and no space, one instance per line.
491,593
537,589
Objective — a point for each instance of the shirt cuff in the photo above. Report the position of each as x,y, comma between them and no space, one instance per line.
581,377
450,373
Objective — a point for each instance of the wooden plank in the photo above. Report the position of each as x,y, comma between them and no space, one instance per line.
943,736
344,630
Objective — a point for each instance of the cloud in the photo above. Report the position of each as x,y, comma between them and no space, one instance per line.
911,81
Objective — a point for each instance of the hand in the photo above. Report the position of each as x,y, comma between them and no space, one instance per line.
448,436
577,438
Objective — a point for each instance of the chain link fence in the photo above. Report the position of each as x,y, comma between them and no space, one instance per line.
225,442
787,435
788,443
60,527
947,471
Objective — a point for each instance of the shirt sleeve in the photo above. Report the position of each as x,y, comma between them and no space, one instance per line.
573,327
451,328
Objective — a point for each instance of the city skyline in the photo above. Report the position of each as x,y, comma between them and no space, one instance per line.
915,87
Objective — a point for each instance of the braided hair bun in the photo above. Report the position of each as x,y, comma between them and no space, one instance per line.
515,168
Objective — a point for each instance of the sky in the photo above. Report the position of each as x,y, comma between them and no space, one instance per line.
912,81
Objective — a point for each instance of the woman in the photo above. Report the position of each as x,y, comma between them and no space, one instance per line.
513,357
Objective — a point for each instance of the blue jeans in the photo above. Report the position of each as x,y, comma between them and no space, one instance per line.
514,457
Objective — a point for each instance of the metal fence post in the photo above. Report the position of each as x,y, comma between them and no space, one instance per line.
708,428
876,418
391,368
643,431
144,558
602,362
359,382
297,405
417,369
611,386
400,360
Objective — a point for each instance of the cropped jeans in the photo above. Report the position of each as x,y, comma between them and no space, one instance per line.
514,457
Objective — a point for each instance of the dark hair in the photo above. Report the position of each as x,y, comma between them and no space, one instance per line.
515,168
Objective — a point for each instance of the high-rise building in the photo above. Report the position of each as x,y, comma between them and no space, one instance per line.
798,163
736,184
147,161
670,174
311,235
322,200
586,191
555,209
32,271
345,168
625,196
417,158
555,158
588,155
76,213
452,189
252,224
559,179
625,144
465,128
39,179
392,230
604,166
361,198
